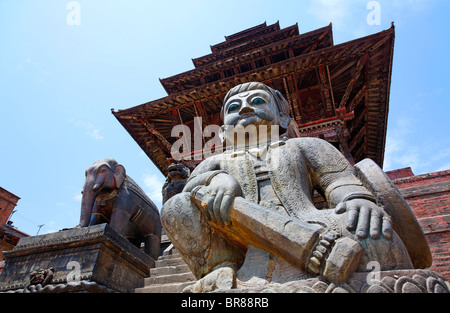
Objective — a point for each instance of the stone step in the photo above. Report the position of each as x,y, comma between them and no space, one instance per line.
164,288
169,262
167,270
170,275
168,257
168,279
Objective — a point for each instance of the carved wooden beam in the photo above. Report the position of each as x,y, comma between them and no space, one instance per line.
288,95
295,101
359,66
201,110
343,69
357,138
324,88
197,114
151,128
380,43
331,88
358,155
358,120
343,136
361,93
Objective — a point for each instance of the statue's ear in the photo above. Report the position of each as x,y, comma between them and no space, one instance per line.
285,120
222,134
119,175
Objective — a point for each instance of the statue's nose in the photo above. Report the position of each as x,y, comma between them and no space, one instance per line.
246,109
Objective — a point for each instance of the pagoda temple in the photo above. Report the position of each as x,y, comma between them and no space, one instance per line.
339,93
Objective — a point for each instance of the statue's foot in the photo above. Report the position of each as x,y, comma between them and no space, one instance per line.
223,278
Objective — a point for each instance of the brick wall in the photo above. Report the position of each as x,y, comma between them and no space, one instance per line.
8,202
428,196
8,235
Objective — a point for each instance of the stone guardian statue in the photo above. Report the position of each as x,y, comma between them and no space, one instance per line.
246,218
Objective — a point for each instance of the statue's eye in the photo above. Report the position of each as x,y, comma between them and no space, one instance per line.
233,107
258,101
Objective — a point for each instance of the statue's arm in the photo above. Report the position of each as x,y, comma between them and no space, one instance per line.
203,174
331,174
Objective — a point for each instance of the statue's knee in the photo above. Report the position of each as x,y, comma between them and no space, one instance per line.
388,253
181,217
173,209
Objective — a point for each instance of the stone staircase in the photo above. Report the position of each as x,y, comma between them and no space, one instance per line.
170,275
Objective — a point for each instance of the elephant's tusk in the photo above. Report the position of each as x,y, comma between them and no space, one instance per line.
96,187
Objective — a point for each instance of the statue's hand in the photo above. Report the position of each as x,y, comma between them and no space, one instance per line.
220,194
366,217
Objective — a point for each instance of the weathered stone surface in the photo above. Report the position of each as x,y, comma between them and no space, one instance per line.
222,279
404,221
396,281
105,260
343,260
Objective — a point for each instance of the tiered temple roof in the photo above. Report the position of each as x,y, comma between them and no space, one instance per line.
336,92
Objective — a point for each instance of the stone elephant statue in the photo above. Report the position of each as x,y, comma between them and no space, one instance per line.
110,196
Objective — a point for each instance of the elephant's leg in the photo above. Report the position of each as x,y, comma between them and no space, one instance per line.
120,221
97,216
201,246
152,245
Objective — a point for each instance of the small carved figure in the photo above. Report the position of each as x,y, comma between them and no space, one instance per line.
39,279
110,196
177,174
255,202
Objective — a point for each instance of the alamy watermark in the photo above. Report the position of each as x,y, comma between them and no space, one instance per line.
215,140
374,277
374,16
74,16
74,276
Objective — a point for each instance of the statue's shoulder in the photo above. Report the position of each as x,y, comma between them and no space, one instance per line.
215,158
315,150
307,142
209,164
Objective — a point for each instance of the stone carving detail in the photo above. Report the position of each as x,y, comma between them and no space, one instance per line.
246,220
406,281
39,279
86,259
83,286
175,181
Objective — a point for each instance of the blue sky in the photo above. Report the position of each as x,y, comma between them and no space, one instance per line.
58,83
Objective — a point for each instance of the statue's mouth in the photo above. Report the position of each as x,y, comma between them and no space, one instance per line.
246,115
175,171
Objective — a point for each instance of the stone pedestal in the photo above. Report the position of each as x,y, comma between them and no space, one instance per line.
88,259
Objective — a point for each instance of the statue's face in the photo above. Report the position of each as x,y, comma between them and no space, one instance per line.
254,107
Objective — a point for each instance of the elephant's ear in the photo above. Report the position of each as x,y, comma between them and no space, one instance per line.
119,175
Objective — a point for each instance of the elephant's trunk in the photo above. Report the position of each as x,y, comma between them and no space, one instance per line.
98,183
90,192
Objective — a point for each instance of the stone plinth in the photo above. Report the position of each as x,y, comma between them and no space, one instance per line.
88,259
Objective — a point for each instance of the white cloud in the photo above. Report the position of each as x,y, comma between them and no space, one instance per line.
90,129
403,149
414,5
335,11
398,153
338,12
152,187
78,197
